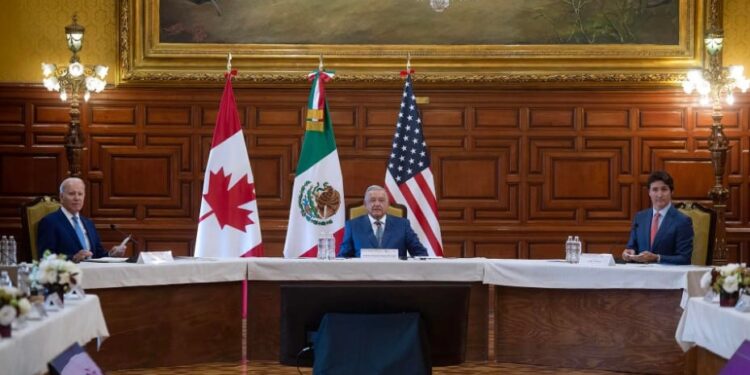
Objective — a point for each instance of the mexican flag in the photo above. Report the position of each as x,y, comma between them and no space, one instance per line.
318,193
228,223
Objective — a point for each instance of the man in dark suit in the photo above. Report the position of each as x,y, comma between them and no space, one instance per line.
65,231
376,230
660,234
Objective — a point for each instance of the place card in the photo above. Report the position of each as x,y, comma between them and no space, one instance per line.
743,305
378,254
155,257
53,302
76,292
588,259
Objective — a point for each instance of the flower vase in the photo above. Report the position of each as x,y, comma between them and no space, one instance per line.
728,299
5,331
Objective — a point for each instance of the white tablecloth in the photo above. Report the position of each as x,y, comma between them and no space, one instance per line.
556,274
460,270
31,347
721,330
181,271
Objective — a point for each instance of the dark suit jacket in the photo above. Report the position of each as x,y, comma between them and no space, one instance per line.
57,234
674,240
398,234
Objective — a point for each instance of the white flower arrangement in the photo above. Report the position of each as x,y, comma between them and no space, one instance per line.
12,305
729,278
54,271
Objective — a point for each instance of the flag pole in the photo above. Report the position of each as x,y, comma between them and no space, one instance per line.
320,62
229,62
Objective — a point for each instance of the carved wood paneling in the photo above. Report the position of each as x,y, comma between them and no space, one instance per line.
515,171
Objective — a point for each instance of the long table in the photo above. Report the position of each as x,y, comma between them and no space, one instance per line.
545,312
190,311
620,318
39,341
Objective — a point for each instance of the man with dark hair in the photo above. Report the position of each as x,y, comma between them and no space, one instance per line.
377,230
65,231
660,234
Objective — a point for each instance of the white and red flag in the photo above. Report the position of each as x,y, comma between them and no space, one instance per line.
408,179
318,193
228,225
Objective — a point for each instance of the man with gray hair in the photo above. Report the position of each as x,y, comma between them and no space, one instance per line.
378,230
65,231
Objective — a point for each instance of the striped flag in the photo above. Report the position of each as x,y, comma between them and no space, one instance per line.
408,179
318,192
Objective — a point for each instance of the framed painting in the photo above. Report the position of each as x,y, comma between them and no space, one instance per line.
459,41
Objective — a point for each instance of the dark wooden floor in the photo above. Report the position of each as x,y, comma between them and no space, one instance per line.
272,368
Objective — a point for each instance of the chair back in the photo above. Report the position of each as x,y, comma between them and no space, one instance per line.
31,214
704,227
356,210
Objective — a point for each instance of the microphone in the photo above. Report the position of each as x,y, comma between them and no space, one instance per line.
114,228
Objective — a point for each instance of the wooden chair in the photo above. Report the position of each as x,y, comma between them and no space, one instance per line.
704,227
356,210
31,214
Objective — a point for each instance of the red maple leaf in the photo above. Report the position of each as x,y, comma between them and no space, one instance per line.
225,202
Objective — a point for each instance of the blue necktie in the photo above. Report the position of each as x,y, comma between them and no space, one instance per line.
79,232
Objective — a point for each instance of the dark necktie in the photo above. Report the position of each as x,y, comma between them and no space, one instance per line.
379,232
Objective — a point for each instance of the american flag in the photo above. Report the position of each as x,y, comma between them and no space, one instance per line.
408,179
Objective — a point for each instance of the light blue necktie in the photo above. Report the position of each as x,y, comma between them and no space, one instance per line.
79,232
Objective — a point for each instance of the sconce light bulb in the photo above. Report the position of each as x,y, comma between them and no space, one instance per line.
86,96
695,75
688,86
63,95
704,101
730,99
48,69
101,71
736,71
75,69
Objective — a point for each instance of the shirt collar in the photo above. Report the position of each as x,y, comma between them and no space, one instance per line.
68,214
373,220
663,211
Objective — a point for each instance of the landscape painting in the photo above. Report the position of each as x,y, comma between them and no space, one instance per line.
420,22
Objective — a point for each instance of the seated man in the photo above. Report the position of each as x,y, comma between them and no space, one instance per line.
65,231
378,230
660,234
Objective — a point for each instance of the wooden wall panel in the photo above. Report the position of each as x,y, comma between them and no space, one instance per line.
516,171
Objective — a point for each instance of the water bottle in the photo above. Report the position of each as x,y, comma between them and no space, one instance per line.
569,249
12,251
330,248
323,246
4,250
577,250
5,280
23,280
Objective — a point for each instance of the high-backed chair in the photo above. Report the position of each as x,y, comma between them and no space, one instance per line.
704,226
357,210
31,214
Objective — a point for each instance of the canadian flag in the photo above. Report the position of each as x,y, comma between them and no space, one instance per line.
228,224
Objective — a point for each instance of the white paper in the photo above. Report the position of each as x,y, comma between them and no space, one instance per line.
378,253
106,260
125,241
155,257
588,259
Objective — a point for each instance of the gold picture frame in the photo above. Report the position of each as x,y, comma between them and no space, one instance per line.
144,59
